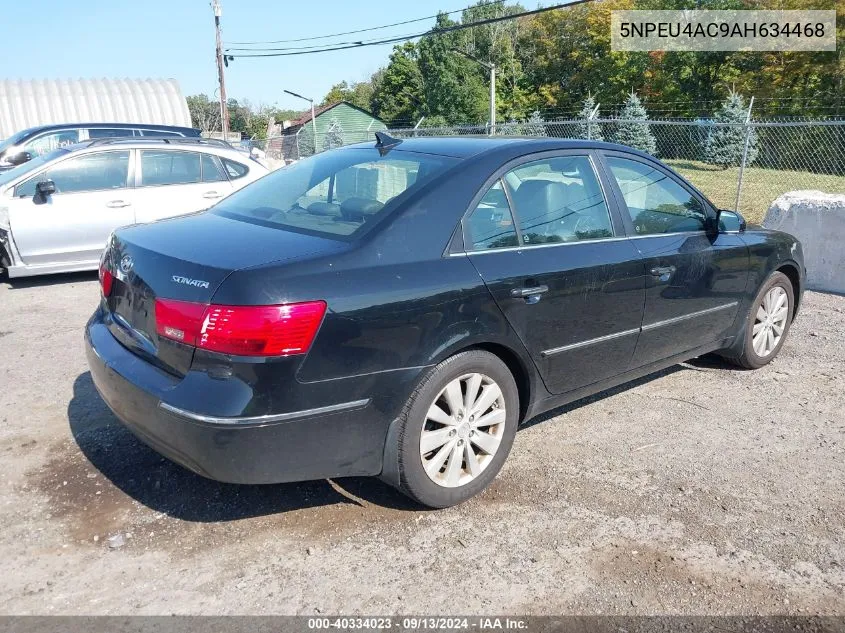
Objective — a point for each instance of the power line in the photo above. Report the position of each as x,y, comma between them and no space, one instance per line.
393,40
372,28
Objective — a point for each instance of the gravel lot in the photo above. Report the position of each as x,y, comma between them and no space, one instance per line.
703,489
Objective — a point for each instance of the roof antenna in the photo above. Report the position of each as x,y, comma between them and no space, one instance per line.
385,142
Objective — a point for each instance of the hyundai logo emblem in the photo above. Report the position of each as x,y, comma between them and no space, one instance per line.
126,263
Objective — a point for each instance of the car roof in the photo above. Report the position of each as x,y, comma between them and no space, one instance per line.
465,147
130,142
113,126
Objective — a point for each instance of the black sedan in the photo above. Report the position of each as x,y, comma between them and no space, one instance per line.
399,308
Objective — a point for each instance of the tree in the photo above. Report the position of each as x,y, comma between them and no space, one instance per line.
453,86
334,135
359,94
725,144
586,128
534,126
633,129
398,89
205,114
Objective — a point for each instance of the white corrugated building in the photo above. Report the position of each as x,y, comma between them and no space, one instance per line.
27,103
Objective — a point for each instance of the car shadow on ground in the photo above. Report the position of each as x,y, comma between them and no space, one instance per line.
166,487
702,363
61,279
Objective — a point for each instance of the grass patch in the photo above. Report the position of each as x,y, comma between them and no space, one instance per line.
760,186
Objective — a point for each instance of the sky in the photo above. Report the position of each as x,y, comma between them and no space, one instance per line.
66,39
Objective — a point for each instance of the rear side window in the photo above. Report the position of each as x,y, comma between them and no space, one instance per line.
90,172
553,200
339,194
161,133
211,170
234,169
491,224
109,133
164,167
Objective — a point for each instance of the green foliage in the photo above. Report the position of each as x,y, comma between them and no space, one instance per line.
334,135
205,114
586,128
398,89
359,94
725,145
633,129
435,120
452,84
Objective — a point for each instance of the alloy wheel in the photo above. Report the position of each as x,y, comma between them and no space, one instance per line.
463,429
770,321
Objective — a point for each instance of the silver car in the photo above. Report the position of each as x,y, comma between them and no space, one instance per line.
57,210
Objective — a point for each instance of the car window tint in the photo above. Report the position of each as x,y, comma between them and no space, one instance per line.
211,170
163,167
234,169
108,133
91,172
559,200
49,142
339,193
656,202
490,225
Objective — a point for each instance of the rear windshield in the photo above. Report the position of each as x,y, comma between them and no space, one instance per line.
338,194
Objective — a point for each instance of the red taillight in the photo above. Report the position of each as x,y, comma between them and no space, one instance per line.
179,320
106,279
281,330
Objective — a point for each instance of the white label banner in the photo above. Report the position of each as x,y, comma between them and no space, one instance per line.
712,30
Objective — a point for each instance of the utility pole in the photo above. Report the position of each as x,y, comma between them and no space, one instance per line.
224,110
492,68
313,119
744,153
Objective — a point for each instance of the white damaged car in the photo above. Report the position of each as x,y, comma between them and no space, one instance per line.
57,210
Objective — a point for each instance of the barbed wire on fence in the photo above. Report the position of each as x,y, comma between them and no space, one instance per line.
781,156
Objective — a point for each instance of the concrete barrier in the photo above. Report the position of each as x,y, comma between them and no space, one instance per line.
818,220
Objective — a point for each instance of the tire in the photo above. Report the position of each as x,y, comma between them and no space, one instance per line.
456,433
745,353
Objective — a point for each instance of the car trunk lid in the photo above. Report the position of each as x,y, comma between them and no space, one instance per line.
186,259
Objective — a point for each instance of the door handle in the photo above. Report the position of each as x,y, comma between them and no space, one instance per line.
663,271
211,195
117,204
529,292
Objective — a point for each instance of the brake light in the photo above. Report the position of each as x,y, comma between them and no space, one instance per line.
106,279
279,330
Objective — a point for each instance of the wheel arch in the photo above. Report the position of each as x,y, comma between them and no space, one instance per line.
520,368
790,269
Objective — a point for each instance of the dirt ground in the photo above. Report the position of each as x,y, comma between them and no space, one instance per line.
701,490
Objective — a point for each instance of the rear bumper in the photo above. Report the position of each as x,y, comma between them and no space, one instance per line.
337,439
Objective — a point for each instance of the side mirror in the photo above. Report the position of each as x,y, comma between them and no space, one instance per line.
730,221
19,159
45,188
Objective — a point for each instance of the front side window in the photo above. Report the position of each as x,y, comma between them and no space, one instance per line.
554,200
165,167
338,194
656,202
102,171
49,142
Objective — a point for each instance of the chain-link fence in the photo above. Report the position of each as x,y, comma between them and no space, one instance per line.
737,165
